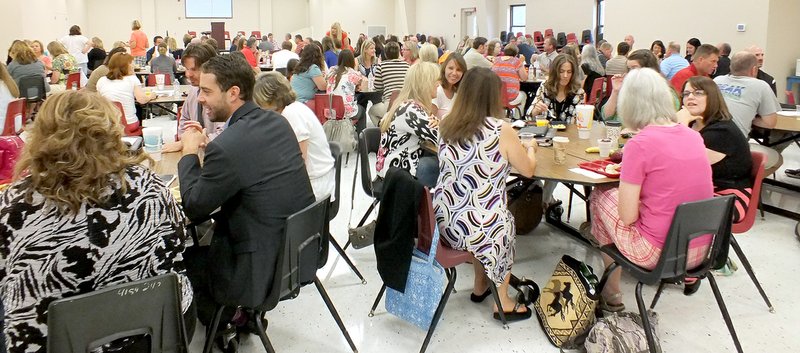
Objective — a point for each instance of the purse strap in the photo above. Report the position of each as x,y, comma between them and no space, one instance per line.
434,246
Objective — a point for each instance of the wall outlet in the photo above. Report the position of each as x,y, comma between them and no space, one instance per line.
741,27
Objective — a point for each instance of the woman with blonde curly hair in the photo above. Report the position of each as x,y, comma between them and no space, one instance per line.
81,215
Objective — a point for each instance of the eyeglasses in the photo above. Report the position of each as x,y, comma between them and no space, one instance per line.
696,93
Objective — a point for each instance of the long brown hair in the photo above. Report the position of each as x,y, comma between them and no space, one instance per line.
551,85
9,81
462,65
22,53
72,150
346,61
119,66
716,109
479,97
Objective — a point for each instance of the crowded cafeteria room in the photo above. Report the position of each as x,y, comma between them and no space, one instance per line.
399,176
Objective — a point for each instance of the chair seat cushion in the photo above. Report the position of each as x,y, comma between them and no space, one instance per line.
449,257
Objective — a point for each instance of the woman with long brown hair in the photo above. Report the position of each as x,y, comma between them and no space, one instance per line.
343,80
476,153
86,215
308,76
120,85
561,93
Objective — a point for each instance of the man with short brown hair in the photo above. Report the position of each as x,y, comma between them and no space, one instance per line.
704,62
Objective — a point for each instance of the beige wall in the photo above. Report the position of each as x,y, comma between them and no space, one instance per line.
782,48
443,18
354,16
45,20
562,16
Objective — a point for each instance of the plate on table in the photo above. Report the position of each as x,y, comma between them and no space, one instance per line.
603,166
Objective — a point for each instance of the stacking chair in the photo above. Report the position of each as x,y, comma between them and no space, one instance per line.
302,243
538,40
333,210
586,36
368,143
193,33
130,131
596,94
691,220
74,80
323,101
572,38
151,79
257,34
241,33
511,110
32,88
561,40
759,160
446,256
151,306
15,117
548,32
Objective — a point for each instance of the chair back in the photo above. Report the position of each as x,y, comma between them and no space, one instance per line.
74,80
692,220
15,117
324,101
151,306
609,84
32,88
757,174
122,119
548,32
368,142
193,33
561,39
151,79
596,93
336,153
241,33
790,97
572,38
538,38
257,34
586,36
301,243
10,150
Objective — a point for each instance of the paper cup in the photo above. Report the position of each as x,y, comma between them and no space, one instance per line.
526,138
560,149
584,115
152,141
160,81
605,146
613,130
584,134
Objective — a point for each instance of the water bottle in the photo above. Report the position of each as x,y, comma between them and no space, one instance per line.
176,86
371,79
531,72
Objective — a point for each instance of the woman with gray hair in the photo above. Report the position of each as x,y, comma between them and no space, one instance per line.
636,216
591,67
272,91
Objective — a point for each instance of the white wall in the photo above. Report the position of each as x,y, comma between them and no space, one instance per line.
45,20
443,18
562,16
354,16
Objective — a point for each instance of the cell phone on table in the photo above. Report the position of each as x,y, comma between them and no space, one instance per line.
544,142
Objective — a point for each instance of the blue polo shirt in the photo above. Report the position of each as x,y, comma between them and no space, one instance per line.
671,65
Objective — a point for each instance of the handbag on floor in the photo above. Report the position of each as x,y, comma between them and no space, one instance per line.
525,204
424,288
340,131
621,333
566,305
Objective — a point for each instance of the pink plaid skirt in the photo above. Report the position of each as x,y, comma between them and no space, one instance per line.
607,228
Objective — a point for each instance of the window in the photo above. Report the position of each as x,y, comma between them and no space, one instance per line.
600,20
516,19
209,8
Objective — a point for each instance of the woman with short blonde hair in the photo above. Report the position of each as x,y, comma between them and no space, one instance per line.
367,59
63,65
410,122
97,55
410,52
138,43
429,53
25,64
79,193
273,91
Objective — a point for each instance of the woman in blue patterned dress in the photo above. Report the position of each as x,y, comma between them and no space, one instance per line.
476,153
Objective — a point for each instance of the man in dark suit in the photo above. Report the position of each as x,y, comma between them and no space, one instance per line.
253,173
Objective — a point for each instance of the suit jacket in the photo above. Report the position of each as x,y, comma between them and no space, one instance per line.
255,174
723,67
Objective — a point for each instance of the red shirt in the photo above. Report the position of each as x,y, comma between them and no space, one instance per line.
682,76
251,58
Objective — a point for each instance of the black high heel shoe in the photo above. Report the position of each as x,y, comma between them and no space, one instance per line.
691,288
479,298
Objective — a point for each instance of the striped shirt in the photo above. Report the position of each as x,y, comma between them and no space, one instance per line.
389,77
507,67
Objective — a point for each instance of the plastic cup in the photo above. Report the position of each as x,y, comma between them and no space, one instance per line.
526,138
148,92
560,149
613,130
152,141
541,120
584,114
584,134
797,108
160,81
605,146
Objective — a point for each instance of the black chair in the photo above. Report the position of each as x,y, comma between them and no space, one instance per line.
691,220
586,37
368,143
333,210
32,88
303,239
561,40
151,306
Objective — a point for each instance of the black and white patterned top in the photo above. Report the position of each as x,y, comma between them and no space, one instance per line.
564,110
46,255
401,145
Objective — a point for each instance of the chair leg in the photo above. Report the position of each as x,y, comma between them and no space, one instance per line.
211,332
497,302
569,205
749,268
648,331
347,259
377,300
334,313
440,308
658,295
262,333
724,310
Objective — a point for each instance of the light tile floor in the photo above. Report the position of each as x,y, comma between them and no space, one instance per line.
686,324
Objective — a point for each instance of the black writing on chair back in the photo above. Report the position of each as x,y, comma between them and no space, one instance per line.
151,306
301,243
368,142
32,88
692,220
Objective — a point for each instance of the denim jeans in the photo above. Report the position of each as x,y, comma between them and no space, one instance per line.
428,171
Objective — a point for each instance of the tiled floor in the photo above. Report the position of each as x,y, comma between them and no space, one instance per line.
686,324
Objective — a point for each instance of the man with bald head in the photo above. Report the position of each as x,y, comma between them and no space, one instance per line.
763,76
749,100
629,39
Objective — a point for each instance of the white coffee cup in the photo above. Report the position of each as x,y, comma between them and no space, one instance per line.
605,145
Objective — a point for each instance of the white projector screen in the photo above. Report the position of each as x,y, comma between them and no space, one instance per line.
209,8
